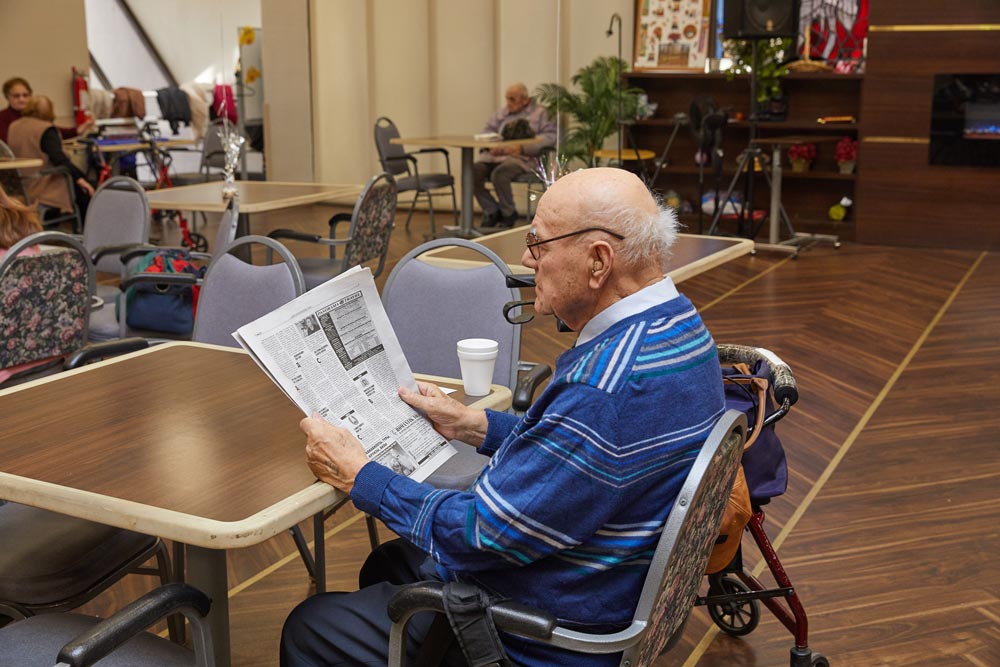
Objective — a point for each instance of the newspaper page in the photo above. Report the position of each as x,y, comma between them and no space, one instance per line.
333,352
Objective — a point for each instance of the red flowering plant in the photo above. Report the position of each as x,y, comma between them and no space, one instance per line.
802,152
847,150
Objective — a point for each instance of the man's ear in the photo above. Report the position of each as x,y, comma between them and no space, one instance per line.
601,259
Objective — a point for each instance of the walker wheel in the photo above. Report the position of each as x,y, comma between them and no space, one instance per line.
736,618
819,660
196,242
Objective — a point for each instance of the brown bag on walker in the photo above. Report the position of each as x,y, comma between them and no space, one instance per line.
738,509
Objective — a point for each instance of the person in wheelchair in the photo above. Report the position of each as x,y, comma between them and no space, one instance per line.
569,510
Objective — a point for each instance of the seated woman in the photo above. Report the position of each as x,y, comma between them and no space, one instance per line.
34,136
16,222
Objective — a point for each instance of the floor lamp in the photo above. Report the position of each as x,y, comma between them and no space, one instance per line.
618,83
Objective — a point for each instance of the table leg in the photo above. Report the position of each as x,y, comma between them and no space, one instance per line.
206,570
242,229
468,184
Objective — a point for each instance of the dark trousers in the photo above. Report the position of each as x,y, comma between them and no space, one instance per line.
336,629
500,174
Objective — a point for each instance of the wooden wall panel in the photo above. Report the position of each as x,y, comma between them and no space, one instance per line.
901,199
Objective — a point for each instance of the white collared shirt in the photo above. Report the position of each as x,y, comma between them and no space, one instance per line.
633,304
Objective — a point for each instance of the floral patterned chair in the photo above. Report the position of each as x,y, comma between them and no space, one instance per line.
675,571
367,239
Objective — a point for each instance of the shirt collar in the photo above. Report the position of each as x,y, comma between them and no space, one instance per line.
633,304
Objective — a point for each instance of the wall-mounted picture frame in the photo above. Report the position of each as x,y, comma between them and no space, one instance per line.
672,35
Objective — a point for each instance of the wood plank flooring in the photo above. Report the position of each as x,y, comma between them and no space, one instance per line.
889,525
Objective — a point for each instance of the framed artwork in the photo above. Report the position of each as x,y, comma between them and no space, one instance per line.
672,34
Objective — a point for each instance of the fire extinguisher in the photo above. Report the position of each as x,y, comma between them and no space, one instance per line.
79,90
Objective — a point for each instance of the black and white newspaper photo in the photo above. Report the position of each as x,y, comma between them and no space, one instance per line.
333,352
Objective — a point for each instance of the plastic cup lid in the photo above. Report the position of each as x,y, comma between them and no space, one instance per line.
478,345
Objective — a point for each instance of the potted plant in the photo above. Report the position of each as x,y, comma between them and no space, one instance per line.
593,110
772,54
801,156
846,154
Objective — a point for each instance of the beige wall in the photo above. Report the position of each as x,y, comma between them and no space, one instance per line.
438,66
45,63
286,62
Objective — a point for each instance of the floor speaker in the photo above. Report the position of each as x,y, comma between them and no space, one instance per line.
760,19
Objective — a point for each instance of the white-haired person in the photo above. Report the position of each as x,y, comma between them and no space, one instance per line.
567,513
500,165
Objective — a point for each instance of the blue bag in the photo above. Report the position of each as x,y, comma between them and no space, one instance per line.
764,462
166,308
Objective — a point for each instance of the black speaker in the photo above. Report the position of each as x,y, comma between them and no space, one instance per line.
760,19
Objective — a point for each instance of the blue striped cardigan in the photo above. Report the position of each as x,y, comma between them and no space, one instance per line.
568,512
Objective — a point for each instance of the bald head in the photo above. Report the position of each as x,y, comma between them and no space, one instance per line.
516,97
617,200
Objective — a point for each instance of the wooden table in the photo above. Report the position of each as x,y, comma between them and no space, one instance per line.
468,143
692,254
254,197
186,441
129,146
20,162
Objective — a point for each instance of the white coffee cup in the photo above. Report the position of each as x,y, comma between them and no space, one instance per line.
477,357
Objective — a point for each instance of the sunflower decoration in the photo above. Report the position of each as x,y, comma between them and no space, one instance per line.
252,75
247,36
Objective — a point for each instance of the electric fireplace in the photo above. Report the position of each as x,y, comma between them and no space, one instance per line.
965,120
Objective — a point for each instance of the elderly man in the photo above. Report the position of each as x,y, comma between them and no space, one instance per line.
570,507
501,165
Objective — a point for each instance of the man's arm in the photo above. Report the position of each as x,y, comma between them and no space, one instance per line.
547,490
544,128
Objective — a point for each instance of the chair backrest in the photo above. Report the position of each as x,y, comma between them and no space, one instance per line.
682,552
5,150
432,306
392,156
226,233
235,292
45,299
372,223
118,215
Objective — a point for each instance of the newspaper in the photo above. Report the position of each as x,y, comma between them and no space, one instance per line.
333,352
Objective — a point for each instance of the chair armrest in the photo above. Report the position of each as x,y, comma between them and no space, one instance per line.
122,250
507,615
158,279
294,235
336,219
111,348
447,155
527,384
129,621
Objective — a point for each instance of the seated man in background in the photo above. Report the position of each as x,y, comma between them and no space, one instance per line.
501,165
567,513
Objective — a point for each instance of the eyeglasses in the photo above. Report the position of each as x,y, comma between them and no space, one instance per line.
532,242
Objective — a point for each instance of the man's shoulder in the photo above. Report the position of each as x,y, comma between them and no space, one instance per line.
664,338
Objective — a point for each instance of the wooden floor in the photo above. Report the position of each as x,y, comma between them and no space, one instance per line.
889,525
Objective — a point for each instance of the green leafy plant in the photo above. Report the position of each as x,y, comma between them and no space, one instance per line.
772,54
593,109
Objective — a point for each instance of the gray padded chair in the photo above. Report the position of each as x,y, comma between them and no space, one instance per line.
404,167
431,307
235,293
74,640
671,584
372,222
118,218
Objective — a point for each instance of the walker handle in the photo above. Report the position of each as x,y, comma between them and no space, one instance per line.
782,380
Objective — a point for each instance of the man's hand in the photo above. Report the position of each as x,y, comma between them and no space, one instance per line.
334,455
450,418
516,149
